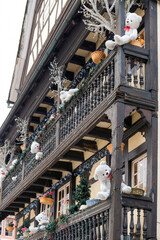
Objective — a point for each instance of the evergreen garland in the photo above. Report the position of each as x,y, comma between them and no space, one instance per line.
81,194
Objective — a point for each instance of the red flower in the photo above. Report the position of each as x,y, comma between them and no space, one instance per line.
44,126
51,193
3,173
39,136
39,148
45,195
24,229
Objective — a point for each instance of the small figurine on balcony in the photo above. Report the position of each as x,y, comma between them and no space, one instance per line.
3,172
132,23
103,174
65,96
43,220
35,147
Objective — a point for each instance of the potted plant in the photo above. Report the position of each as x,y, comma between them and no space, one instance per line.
10,227
97,56
47,199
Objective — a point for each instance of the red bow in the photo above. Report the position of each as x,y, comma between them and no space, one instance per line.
109,176
127,28
3,173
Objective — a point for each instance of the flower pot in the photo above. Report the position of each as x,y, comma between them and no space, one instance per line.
10,229
97,56
137,191
136,43
46,201
109,147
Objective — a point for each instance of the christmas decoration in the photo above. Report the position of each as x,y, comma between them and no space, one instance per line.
22,125
98,23
132,23
81,194
103,174
35,147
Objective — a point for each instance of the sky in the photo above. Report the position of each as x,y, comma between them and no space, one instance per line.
11,19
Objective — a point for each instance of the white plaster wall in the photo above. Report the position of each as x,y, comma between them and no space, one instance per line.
158,197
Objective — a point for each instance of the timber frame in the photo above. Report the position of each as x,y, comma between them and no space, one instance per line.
104,109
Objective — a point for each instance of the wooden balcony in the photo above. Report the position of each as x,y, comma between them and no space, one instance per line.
95,223
97,94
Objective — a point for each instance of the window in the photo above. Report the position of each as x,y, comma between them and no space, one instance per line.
139,172
63,199
8,233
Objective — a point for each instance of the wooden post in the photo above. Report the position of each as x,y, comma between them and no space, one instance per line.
120,57
151,138
72,189
151,44
116,115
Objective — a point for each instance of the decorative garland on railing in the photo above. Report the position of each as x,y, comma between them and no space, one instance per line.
62,108
41,127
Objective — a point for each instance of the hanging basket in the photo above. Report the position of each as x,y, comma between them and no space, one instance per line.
97,56
109,147
136,43
46,201
10,229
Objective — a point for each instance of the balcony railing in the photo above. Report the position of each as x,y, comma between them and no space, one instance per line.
94,222
95,92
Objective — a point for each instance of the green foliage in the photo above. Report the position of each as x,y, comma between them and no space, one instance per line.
25,224
51,227
81,194
62,219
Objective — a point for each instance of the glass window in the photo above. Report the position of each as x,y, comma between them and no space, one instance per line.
139,172
8,233
63,200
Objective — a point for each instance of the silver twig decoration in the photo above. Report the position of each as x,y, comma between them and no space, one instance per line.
98,23
4,151
22,127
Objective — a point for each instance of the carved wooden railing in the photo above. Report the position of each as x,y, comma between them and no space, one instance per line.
48,144
135,224
135,60
9,184
93,222
99,88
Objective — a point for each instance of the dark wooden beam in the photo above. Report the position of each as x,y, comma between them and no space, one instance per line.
74,156
31,129
64,166
10,209
86,145
48,101
35,120
28,195
52,175
18,205
79,60
41,110
42,183
101,133
22,200
88,46
69,75
34,189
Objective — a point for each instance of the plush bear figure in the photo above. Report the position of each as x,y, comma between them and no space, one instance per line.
65,96
103,174
3,172
43,220
33,229
132,23
35,147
